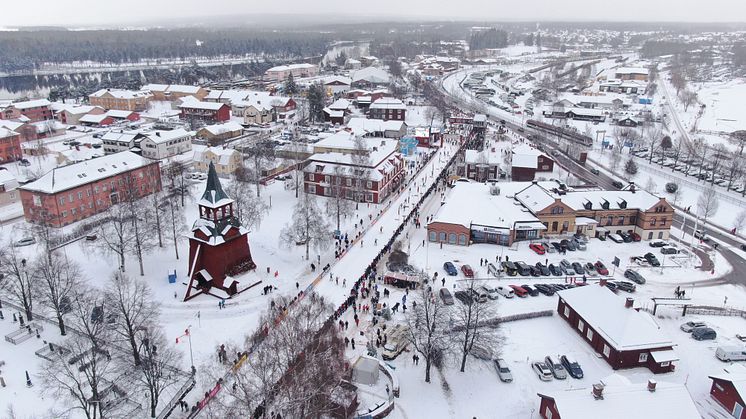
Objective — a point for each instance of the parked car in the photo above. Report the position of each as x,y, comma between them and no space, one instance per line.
557,246
503,372
704,333
506,292
519,291
626,286
616,238
510,268
491,292
467,271
464,297
580,237
634,276
635,237
450,268
548,247
617,184
26,241
446,296
544,289
568,244
543,269
542,371
572,367
689,326
626,237
555,270
652,260
567,267
539,249
492,269
580,245
701,235
590,270
612,286
578,268
601,268
557,369
530,290
523,269
602,236
535,271
731,353
478,295
595,171
658,243
669,250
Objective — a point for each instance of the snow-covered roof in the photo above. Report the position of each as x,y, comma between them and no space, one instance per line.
11,125
472,203
735,376
380,162
162,136
118,114
334,114
74,175
524,160
537,198
120,136
153,87
72,109
362,126
290,67
202,154
218,129
337,80
486,156
585,111
388,103
340,104
342,139
37,103
669,400
5,133
632,70
122,94
624,329
212,106
8,180
47,126
597,99
94,119
371,75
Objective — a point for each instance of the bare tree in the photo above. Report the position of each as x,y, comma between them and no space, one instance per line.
260,158
738,139
249,209
707,204
718,157
294,153
176,172
79,372
307,227
157,210
734,167
132,303
739,221
472,328
58,280
156,373
337,204
114,233
688,98
428,323
16,281
361,162
678,81
653,142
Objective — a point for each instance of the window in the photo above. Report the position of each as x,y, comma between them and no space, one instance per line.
565,225
607,350
88,193
452,238
558,210
650,235
548,413
665,364
589,334
64,214
432,236
326,178
621,220
442,237
312,189
62,200
310,177
653,221
566,311
327,191
369,197
660,234
73,211
663,221
349,182
71,197
95,189
80,195
37,200
369,184
462,239
581,325
633,219
643,357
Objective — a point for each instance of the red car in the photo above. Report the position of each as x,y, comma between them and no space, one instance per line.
468,272
601,269
519,291
635,237
539,249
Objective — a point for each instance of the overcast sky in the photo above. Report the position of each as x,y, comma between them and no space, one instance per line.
107,12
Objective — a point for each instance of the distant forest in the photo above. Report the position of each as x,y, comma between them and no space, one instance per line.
26,50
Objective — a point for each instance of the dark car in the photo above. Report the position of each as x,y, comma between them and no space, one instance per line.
612,286
658,243
464,297
634,276
450,268
617,184
555,270
626,237
578,268
625,286
531,291
652,260
557,246
543,269
510,268
522,268
704,333
568,244
572,367
595,171
468,272
535,271
545,289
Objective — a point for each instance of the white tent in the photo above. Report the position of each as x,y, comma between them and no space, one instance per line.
365,370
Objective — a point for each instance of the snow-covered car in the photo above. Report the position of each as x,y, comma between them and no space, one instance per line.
492,269
491,292
658,243
503,372
557,369
616,238
669,250
688,327
567,267
542,371
26,241
548,247
572,367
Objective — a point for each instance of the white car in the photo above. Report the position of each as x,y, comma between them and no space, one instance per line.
491,292
541,370
503,371
505,292
689,327
26,241
616,238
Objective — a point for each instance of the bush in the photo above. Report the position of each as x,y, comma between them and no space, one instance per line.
630,167
671,187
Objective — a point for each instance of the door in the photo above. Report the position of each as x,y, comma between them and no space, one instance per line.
737,410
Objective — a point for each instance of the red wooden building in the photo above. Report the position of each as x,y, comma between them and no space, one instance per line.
209,112
729,390
621,335
218,245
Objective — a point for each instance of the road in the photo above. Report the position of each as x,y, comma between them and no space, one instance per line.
727,242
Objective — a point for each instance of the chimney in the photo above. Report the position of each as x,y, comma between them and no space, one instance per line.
651,385
629,302
157,134
598,391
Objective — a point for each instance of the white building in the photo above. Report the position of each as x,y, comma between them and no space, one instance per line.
160,144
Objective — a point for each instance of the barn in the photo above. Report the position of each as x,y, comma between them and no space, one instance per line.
623,336
729,390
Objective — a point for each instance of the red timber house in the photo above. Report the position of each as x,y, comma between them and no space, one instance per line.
78,191
729,390
218,245
617,398
623,336
372,177
208,112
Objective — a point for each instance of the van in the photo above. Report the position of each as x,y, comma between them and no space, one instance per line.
397,342
505,292
523,269
446,296
491,292
731,353
492,269
510,268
